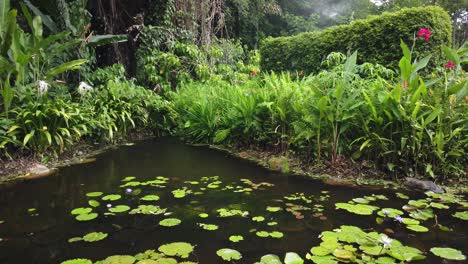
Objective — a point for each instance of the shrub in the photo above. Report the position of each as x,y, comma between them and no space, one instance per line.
377,39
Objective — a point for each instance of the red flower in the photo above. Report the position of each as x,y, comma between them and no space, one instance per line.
424,33
450,65
405,84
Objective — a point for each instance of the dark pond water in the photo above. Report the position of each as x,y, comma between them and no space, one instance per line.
42,236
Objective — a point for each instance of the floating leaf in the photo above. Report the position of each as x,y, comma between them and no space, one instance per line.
179,249
422,214
361,200
402,196
229,254
94,194
93,203
148,210
270,259
203,215
111,197
389,212
75,239
276,234
461,215
128,178
150,198
360,209
258,218
94,236
119,209
77,261
272,223
293,258
439,205
81,210
417,228
86,217
170,222
208,227
448,253
323,259
119,259
273,209
236,239
262,233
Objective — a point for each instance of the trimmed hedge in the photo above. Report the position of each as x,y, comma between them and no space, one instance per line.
377,40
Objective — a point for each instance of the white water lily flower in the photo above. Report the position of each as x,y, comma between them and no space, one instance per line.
386,241
42,87
84,88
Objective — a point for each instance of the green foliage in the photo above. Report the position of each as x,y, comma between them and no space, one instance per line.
377,39
408,125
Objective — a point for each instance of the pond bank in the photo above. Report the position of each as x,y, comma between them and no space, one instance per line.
347,173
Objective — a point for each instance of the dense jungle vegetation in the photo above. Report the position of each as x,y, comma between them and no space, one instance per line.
381,83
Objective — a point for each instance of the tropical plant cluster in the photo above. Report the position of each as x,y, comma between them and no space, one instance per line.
406,122
377,39
40,111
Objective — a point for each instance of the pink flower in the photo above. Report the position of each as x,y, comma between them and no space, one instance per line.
450,65
424,33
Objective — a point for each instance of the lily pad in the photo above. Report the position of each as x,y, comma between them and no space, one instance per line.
81,210
128,178
148,210
448,253
236,239
417,228
258,218
273,209
119,259
276,234
170,222
208,227
229,254
402,196
360,209
94,237
111,197
77,261
180,249
270,259
461,215
86,217
293,258
262,233
93,203
94,194
150,198
119,209
203,215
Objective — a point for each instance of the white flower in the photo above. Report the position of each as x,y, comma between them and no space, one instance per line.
42,87
386,241
84,88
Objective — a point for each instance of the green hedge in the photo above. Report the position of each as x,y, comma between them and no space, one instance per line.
377,40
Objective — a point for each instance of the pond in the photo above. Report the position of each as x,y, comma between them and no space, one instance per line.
158,192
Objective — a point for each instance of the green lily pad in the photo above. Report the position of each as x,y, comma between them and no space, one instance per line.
119,209
422,214
119,259
360,209
170,222
293,258
258,218
276,234
208,227
402,196
389,212
323,259
75,239
229,254
179,249
448,253
417,228
262,233
166,261
343,254
273,209
94,237
94,194
86,217
111,197
322,251
270,259
148,210
410,221
203,215
128,178
272,223
361,200
418,203
77,261
439,205
461,215
150,198
236,239
180,193
81,210
93,203
405,253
